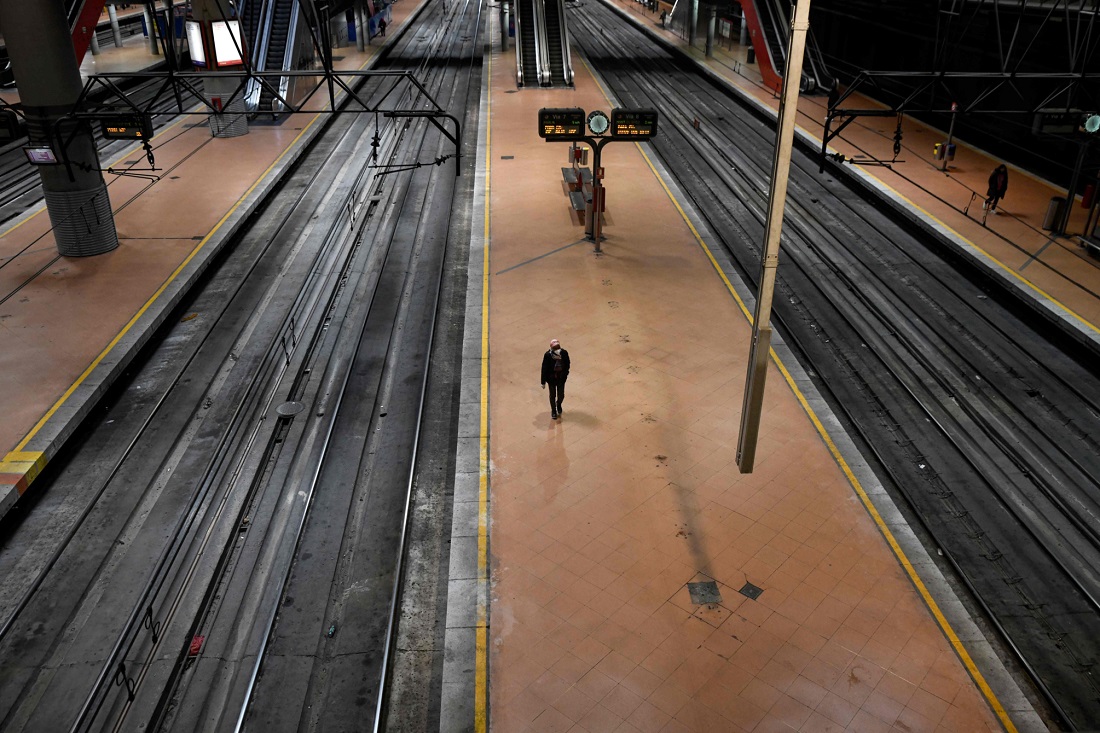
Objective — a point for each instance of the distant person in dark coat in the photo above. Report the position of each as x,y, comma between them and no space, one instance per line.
998,187
555,370
382,27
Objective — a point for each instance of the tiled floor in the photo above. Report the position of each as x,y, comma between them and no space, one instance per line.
601,519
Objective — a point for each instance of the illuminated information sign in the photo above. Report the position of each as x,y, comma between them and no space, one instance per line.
561,124
127,127
633,124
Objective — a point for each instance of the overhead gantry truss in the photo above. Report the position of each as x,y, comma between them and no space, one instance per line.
1024,73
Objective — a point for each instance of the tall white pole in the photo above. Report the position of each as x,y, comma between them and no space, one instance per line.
777,198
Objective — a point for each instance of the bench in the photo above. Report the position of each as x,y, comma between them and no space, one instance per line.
579,200
577,178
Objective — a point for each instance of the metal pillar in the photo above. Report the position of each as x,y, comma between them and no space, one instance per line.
42,57
225,95
744,39
950,134
150,31
761,325
360,27
710,31
93,43
504,8
1071,194
113,15
693,21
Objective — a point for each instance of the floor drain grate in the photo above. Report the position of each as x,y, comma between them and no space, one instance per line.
704,593
507,157
750,591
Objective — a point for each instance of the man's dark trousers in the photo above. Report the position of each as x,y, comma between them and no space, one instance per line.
556,388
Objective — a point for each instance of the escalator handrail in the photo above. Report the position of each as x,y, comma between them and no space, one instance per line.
563,31
542,56
517,18
259,57
288,52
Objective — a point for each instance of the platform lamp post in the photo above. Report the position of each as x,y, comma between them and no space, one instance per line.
777,198
950,135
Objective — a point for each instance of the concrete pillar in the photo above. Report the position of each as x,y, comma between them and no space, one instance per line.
360,27
42,57
150,31
93,43
113,15
693,21
231,120
710,31
744,40
504,20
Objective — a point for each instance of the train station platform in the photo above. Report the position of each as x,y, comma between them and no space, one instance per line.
1058,267
70,326
624,544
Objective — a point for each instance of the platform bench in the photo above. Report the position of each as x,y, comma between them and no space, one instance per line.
577,178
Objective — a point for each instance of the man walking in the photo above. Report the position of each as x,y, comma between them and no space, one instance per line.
555,370
998,187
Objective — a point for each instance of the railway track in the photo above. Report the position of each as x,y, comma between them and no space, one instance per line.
983,419
252,481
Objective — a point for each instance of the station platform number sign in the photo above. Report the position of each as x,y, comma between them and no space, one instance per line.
568,123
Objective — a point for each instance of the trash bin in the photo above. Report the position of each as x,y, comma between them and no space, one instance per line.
1055,211
750,56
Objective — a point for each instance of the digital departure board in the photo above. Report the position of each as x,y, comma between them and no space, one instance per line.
561,124
633,124
127,127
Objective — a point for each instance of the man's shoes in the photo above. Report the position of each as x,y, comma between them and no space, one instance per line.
553,416
560,411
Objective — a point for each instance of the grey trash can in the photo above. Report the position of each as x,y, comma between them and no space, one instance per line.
1055,211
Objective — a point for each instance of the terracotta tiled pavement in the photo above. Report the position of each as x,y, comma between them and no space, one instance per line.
600,520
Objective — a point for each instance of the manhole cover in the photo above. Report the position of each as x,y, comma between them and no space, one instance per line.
704,593
289,408
750,591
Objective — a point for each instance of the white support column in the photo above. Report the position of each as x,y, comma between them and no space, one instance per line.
777,198
113,15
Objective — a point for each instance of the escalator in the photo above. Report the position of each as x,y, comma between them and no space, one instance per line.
768,27
83,18
556,44
527,54
277,40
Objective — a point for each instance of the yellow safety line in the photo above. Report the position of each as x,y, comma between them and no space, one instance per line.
1000,264
130,324
948,631
481,665
944,624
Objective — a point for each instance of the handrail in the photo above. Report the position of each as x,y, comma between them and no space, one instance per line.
259,55
566,55
542,56
517,18
288,52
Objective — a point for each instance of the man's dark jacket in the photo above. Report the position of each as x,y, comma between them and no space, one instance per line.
548,366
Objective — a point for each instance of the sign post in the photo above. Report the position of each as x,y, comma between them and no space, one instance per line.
624,125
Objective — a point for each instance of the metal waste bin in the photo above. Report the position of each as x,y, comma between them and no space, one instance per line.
1055,211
